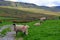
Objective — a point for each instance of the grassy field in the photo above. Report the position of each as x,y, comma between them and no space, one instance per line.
4,22
49,30
4,31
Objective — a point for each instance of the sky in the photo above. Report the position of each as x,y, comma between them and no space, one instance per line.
49,3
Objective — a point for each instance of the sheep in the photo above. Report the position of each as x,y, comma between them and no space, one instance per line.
21,28
37,24
42,19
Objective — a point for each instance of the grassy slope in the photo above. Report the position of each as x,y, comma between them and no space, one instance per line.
49,30
33,10
12,12
21,13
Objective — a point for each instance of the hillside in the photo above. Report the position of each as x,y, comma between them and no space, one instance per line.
32,10
29,5
17,4
7,3
53,9
56,9
26,13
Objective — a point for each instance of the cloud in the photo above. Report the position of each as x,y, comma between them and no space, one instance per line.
43,2
57,3
11,0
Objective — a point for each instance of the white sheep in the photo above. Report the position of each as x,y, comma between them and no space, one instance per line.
37,24
42,19
21,28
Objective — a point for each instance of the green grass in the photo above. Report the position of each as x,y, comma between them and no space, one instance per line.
4,31
32,10
49,30
5,23
22,13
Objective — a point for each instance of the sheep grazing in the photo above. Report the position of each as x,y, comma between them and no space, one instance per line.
37,24
43,19
21,28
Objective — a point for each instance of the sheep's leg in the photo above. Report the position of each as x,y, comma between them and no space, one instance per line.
16,33
14,29
26,32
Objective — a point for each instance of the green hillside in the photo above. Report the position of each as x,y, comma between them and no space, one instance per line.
26,13
33,10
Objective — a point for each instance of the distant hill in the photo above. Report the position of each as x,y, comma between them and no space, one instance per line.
6,3
18,4
55,9
1,0
28,5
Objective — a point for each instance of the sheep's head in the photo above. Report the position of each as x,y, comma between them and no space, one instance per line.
14,24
